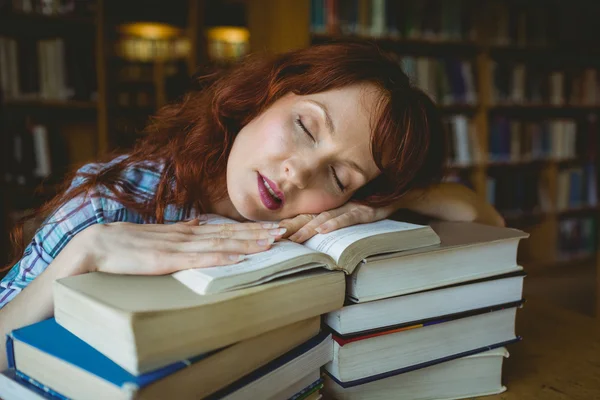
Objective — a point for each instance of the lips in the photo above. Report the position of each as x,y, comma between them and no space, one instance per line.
269,201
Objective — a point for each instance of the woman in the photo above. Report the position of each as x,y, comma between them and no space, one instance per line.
315,140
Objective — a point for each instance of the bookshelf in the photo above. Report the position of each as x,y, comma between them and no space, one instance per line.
50,100
494,38
78,110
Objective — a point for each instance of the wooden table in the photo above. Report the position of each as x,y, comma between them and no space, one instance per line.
559,357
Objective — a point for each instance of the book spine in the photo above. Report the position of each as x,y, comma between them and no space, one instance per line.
10,351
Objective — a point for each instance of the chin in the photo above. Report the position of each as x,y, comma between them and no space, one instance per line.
249,210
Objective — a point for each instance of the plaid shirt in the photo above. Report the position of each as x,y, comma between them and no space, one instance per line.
76,215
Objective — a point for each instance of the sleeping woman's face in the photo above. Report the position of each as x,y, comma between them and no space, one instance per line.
304,154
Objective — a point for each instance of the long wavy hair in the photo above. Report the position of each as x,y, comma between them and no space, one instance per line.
192,137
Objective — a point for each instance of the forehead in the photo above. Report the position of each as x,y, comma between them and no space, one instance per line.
353,110
352,107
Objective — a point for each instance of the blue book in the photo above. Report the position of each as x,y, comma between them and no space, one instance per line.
52,358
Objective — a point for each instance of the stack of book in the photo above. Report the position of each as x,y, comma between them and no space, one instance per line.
430,322
250,330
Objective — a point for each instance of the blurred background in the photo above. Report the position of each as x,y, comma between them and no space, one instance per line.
517,81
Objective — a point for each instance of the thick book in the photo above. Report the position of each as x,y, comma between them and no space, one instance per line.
466,377
13,387
343,250
468,251
358,359
146,322
279,378
430,304
45,353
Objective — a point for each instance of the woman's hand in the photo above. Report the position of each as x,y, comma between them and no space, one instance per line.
305,226
156,249
444,201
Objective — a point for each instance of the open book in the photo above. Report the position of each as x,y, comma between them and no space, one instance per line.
343,250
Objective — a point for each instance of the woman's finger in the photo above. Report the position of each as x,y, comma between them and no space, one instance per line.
357,215
166,263
294,224
201,227
246,226
308,230
217,244
276,233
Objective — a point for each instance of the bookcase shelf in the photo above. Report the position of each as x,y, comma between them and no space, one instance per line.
486,44
52,104
413,46
84,126
37,24
469,109
549,111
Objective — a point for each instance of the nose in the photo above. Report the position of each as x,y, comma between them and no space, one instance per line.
298,171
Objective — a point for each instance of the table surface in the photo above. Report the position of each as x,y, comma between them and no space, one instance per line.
558,358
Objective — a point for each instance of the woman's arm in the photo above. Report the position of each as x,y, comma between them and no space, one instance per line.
35,302
135,249
445,201
451,202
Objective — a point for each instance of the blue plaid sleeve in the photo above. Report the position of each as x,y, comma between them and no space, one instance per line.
75,216
48,241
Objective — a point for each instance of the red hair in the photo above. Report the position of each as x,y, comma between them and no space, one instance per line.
192,137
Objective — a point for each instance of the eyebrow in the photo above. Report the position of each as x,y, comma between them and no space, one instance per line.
328,120
358,168
331,128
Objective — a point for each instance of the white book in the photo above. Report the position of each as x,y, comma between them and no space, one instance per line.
375,356
394,311
12,388
281,382
467,377
41,148
339,250
145,322
461,138
467,252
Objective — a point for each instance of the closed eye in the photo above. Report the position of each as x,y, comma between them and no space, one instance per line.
301,125
337,180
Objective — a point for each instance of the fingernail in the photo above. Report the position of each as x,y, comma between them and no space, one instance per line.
269,225
236,257
265,242
202,217
277,232
296,237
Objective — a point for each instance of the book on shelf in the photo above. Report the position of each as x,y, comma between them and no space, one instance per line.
371,356
145,322
464,148
449,20
342,249
515,140
48,7
467,252
576,238
432,304
519,194
47,69
45,353
466,377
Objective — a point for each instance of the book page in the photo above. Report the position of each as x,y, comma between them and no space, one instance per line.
334,243
280,252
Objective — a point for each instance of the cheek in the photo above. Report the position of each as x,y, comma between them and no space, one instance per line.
315,202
